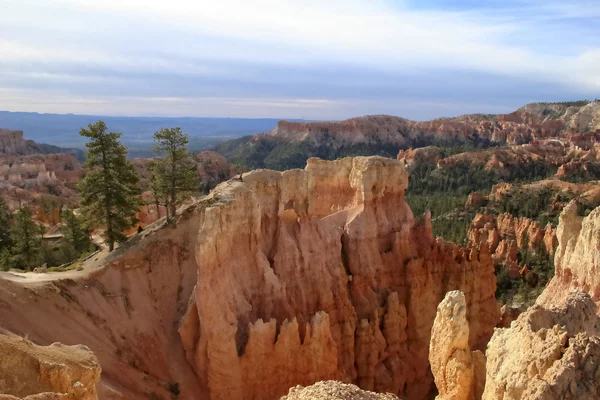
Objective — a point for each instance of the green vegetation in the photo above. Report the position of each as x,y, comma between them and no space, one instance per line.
576,103
463,178
590,172
109,193
534,204
5,219
174,176
275,153
27,240
526,289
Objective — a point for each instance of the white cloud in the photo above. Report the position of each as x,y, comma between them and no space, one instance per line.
194,37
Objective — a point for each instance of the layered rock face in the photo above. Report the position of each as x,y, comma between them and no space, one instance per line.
547,353
530,123
577,258
29,372
324,273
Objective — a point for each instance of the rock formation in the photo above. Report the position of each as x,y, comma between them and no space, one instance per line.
333,390
36,178
577,258
547,353
29,372
449,353
529,123
324,273
505,235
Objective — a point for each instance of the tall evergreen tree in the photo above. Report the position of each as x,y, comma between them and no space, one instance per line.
27,238
174,176
109,193
5,240
75,232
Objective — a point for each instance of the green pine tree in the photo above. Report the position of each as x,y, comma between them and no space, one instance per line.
109,193
5,259
5,217
174,176
75,232
27,239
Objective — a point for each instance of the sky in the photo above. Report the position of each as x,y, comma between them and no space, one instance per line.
311,59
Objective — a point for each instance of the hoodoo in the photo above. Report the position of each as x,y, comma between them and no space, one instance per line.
324,273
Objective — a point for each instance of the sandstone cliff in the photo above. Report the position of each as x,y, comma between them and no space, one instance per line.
324,273
547,353
53,372
577,258
532,122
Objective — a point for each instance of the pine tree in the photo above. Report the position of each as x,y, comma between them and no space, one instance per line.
27,238
109,193
5,259
5,240
174,176
75,232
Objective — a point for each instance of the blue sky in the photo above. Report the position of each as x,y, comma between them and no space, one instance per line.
309,59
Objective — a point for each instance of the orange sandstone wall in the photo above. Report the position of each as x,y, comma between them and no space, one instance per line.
324,273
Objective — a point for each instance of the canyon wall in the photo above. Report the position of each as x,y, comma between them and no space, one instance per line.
126,308
577,258
324,273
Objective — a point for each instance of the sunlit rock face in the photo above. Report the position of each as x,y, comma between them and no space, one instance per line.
324,273
32,372
577,258
548,353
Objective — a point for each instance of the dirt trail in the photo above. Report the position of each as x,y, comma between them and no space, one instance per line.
93,263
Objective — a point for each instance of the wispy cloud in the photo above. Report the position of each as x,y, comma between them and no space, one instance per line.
233,49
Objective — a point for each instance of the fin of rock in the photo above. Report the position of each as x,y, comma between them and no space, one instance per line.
324,273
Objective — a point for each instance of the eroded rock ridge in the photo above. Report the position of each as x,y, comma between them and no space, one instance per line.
324,273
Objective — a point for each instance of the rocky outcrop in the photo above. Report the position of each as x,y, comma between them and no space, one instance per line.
37,178
324,273
29,372
333,390
547,353
449,353
577,258
505,235
475,200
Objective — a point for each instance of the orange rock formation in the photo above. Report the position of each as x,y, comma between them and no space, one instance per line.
324,273
577,258
33,372
547,353
451,360
506,234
